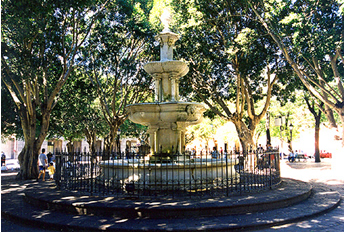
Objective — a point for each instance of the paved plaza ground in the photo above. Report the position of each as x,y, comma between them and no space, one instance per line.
329,172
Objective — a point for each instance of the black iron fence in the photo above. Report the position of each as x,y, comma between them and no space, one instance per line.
168,175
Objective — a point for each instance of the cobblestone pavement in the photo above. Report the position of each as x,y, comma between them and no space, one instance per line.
329,172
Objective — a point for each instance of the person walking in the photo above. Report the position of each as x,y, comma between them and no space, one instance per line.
42,164
3,159
51,170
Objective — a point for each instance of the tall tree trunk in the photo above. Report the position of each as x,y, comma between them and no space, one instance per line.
330,117
29,155
70,147
317,140
28,161
342,120
245,136
247,143
268,137
110,142
91,137
317,117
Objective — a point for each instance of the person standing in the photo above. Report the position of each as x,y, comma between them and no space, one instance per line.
42,164
50,157
51,170
214,153
3,159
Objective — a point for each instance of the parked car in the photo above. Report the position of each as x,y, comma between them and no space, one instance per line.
325,154
11,165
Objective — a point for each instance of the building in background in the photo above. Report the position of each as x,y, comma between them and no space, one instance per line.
12,146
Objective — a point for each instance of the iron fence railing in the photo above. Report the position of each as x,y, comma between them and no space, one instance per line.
168,175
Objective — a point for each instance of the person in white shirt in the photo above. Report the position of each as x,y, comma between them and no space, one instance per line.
42,164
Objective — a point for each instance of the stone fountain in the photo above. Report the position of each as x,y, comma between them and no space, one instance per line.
168,117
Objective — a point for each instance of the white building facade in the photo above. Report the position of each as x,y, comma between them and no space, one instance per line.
12,146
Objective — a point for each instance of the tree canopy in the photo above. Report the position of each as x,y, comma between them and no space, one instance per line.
119,46
40,48
309,34
230,62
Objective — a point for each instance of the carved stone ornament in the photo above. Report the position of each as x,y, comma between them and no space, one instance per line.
190,110
171,42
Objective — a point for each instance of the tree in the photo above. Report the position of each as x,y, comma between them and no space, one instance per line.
40,45
312,105
309,34
10,121
115,62
228,51
204,131
78,115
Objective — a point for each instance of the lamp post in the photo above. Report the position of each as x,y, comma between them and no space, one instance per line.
118,145
280,121
291,135
268,136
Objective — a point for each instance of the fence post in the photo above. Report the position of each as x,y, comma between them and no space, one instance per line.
270,168
58,170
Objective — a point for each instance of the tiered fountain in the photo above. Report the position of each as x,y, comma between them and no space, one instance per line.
167,119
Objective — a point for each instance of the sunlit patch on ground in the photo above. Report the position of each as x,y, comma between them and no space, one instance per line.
121,220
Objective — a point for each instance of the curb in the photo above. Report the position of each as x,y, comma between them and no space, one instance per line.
320,201
288,193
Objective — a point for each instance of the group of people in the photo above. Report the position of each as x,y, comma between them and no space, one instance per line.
215,154
293,156
45,163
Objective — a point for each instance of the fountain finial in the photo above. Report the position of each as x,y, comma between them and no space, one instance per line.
166,19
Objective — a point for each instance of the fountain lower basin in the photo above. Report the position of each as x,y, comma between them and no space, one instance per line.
167,122
198,174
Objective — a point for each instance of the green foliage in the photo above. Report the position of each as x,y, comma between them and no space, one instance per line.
77,110
40,41
10,121
130,129
115,55
220,45
310,35
205,130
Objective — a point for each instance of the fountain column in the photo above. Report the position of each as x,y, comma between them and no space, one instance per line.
152,131
173,88
157,85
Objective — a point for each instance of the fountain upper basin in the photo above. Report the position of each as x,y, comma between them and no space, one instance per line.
155,113
177,68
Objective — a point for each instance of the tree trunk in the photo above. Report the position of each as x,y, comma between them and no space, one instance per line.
316,143
245,136
268,137
70,147
342,120
109,144
29,155
91,139
317,117
28,158
330,117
